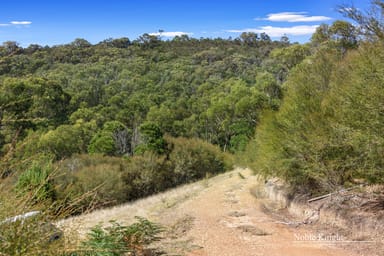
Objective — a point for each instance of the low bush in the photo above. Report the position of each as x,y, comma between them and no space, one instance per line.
95,179
145,175
118,239
33,236
112,180
26,234
37,182
193,159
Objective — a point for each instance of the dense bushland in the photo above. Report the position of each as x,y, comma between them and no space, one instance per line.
123,119
129,100
116,180
87,126
329,129
85,182
83,98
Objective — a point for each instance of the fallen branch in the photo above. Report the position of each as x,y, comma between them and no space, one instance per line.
320,197
333,193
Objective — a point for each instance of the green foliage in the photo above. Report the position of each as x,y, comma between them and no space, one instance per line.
66,140
33,236
37,182
62,141
145,175
32,102
287,142
112,180
358,99
371,22
102,143
118,239
193,159
321,35
113,139
327,131
32,233
233,114
286,58
344,34
341,35
101,243
170,84
152,139
96,179
187,160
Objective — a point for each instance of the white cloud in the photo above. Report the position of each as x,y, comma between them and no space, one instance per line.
4,25
171,34
294,17
279,31
348,9
21,22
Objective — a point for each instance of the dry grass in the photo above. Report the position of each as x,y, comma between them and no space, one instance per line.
149,207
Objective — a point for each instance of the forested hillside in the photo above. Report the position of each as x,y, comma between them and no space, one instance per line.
87,126
212,89
84,126
131,118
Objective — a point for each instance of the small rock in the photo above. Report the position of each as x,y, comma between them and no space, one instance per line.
236,214
253,230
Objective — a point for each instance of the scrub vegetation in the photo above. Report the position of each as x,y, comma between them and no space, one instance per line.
87,126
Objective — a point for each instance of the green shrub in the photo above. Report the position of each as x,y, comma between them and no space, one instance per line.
103,143
62,142
111,180
193,159
113,139
152,138
187,160
118,239
94,178
329,128
145,175
33,235
37,182
287,141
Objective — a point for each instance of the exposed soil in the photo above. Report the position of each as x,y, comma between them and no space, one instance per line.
220,216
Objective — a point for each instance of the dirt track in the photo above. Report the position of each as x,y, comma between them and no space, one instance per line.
220,217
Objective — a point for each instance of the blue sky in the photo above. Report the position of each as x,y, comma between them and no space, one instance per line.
60,22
